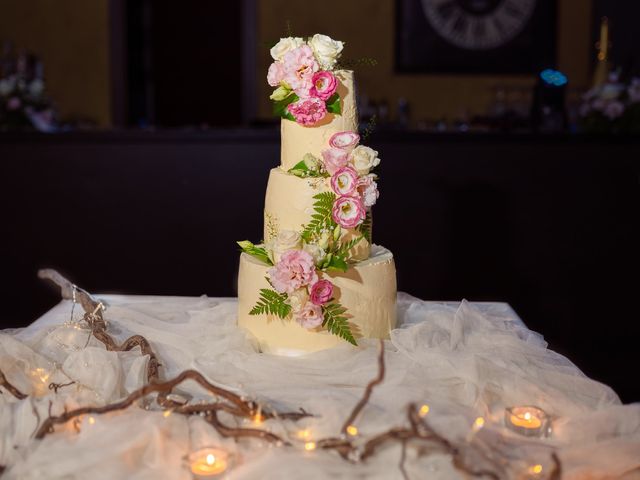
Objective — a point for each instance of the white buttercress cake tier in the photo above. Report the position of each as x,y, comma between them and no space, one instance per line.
298,140
289,203
367,290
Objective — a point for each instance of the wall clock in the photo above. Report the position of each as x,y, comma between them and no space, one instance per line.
475,36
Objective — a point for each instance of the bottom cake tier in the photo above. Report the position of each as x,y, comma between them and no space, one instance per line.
367,290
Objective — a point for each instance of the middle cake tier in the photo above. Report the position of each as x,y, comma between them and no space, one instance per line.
289,205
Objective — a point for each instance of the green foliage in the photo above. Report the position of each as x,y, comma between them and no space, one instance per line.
343,249
322,218
259,252
365,227
369,128
336,323
272,303
280,107
333,104
302,170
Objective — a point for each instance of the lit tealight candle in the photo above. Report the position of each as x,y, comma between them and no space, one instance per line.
529,421
208,462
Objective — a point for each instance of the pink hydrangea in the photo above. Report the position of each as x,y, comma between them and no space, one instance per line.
323,85
344,140
345,181
321,292
295,269
310,316
308,111
334,159
348,212
275,74
368,190
299,67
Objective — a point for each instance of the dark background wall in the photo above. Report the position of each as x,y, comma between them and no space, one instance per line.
549,224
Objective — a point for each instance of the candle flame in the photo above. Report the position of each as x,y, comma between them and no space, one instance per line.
424,410
211,459
527,416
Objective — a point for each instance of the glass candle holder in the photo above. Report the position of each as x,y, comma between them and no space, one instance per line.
209,462
528,420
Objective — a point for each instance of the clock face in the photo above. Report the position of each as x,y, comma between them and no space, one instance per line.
478,24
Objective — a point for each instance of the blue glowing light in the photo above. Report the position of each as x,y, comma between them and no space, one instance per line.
553,77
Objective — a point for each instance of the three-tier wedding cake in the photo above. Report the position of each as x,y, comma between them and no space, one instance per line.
316,280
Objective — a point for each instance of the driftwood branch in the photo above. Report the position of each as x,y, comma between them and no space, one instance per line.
94,309
10,388
367,392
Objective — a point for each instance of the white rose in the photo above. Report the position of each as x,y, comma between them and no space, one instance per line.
298,299
326,50
287,240
364,159
36,87
284,46
315,251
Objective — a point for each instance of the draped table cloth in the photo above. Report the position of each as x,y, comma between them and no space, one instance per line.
464,360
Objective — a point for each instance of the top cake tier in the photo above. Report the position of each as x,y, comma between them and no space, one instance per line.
298,140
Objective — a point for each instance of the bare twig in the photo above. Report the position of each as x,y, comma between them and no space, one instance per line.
225,431
10,388
57,386
403,458
367,392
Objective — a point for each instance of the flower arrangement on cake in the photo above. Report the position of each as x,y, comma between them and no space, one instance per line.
341,220
612,108
302,72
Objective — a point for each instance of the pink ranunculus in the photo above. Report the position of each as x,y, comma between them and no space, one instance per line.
344,181
295,269
348,212
368,190
334,159
323,85
299,67
321,292
344,140
308,111
310,316
275,74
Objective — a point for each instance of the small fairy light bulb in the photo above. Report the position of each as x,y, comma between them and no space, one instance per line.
258,418
478,424
310,446
424,410
352,430
166,413
304,434
535,469
92,420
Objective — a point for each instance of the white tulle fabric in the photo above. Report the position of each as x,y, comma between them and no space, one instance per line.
463,359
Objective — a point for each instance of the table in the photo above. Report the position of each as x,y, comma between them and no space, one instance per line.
463,359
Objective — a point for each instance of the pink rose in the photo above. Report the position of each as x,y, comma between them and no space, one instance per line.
310,316
345,140
308,111
334,159
348,212
321,292
275,74
368,190
295,269
299,67
344,181
323,85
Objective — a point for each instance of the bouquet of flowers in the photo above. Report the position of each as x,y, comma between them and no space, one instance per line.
23,103
302,73
612,108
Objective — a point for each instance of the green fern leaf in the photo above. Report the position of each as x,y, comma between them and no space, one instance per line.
365,227
322,218
271,303
336,323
